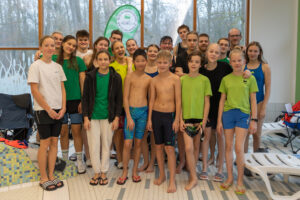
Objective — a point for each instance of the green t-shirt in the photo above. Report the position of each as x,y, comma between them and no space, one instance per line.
226,59
72,84
101,99
110,51
237,90
193,90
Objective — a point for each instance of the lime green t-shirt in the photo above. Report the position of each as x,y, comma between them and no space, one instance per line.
237,90
224,60
101,99
193,92
72,84
121,69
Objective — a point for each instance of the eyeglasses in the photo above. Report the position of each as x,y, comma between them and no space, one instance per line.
235,35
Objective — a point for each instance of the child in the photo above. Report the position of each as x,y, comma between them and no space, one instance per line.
262,73
74,69
135,104
123,66
182,46
165,101
131,46
102,107
152,71
196,90
82,37
224,48
46,79
234,110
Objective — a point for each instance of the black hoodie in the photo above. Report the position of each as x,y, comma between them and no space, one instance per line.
115,96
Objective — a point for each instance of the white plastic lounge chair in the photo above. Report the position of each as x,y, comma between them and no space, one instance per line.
274,127
264,163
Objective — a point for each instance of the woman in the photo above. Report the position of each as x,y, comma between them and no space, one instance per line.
46,79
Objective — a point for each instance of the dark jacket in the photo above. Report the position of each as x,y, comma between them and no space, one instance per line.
115,96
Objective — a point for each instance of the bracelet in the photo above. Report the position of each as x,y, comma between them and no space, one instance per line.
254,119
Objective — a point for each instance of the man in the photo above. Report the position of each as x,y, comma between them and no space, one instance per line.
235,36
116,35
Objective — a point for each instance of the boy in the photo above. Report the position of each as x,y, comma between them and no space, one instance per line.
181,46
82,37
135,104
224,47
115,35
165,101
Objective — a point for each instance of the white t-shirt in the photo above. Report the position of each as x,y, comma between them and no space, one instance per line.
49,77
81,55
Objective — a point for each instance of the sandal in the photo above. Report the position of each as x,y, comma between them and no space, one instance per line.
95,181
240,190
48,186
203,176
58,183
225,186
103,181
136,179
122,181
218,177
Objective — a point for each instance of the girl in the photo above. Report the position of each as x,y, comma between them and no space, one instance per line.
131,46
215,71
234,110
102,107
122,65
74,69
152,71
262,74
196,91
46,79
102,43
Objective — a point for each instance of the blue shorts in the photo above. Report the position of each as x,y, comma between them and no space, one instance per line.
75,118
235,118
139,116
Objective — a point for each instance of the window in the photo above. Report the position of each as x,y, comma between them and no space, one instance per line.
216,17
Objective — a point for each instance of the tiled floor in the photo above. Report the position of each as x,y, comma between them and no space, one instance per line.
77,188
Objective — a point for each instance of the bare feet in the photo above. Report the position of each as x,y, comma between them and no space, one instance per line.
150,169
211,161
160,180
143,167
171,188
179,168
191,184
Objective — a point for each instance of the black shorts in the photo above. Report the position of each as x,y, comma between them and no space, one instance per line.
72,106
162,128
47,126
191,130
211,123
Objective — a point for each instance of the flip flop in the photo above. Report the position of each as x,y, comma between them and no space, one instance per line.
240,190
122,181
103,181
136,179
218,177
94,179
47,186
17,144
225,186
58,183
203,176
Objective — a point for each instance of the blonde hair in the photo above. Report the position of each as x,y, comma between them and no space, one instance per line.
237,51
165,54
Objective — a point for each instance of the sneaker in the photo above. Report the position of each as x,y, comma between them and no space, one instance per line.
88,163
80,167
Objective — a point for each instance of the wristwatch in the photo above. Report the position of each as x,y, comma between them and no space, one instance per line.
254,119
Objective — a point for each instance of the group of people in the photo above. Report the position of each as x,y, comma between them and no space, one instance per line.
196,94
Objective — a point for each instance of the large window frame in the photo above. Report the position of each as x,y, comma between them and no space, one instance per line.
41,24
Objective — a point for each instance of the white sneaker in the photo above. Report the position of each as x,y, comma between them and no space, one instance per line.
88,163
80,167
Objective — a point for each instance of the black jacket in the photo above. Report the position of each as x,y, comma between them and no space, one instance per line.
115,96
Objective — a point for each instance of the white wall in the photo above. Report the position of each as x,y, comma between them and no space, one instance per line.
274,24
